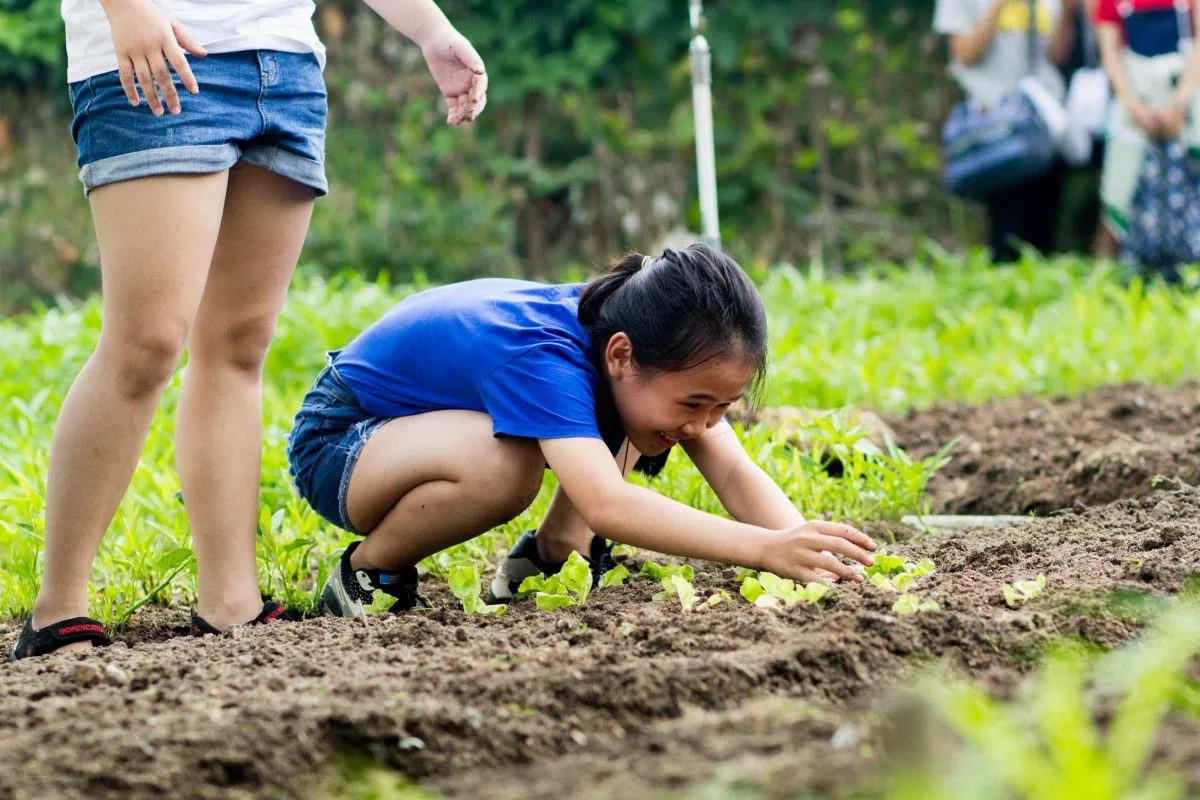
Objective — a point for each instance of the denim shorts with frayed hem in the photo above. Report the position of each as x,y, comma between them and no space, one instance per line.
265,107
326,439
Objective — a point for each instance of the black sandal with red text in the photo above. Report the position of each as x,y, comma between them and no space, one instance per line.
59,634
271,611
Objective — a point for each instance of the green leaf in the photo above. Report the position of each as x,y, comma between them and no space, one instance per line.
752,589
173,558
549,602
684,590
615,576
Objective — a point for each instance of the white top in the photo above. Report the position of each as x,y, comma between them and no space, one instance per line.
220,26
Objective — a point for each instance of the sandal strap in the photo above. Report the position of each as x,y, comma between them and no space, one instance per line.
59,634
271,611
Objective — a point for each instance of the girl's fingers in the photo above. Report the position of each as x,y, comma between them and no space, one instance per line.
162,77
128,81
466,55
183,69
828,562
846,548
844,531
478,95
146,79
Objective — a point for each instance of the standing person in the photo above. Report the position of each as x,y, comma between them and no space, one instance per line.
438,422
989,46
200,126
1148,51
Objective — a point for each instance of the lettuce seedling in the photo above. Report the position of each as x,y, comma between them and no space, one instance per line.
907,604
894,574
677,586
1021,592
465,582
615,576
768,590
657,572
570,587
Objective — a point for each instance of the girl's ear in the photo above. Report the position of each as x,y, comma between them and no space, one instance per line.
618,356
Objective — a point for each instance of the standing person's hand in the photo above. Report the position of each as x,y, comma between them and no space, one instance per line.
146,41
459,73
1171,118
806,552
1147,119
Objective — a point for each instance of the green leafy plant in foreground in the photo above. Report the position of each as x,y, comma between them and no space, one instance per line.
892,573
1047,743
570,587
1021,592
768,590
615,576
676,581
466,584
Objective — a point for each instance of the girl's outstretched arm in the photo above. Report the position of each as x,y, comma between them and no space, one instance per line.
746,492
634,515
452,61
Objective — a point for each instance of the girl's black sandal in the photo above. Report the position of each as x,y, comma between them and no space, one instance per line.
271,611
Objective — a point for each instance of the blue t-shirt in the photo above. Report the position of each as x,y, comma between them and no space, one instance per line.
512,349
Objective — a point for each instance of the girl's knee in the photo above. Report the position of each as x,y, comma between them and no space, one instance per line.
142,361
242,344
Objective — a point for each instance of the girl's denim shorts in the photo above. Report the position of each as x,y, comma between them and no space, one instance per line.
266,107
326,439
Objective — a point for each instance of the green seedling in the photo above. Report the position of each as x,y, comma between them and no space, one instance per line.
768,590
615,576
465,582
656,572
1021,592
907,604
570,587
892,573
678,586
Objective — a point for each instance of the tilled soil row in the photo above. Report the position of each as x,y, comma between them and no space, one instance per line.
624,695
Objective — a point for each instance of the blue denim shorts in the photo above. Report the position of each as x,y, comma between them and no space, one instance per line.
266,107
327,437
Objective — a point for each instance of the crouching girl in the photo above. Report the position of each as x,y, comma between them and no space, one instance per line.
438,422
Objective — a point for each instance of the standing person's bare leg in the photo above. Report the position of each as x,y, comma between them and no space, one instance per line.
218,429
156,238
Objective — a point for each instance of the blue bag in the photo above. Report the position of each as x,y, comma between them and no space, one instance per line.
991,148
1164,218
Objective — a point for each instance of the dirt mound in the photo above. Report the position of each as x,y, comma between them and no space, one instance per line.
1039,455
625,695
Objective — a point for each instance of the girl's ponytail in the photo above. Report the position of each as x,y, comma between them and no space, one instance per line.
600,289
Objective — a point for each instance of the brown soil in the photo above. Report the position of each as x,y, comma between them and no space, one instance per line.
624,697
1038,455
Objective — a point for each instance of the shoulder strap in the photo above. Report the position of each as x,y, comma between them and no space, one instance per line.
1183,19
1032,37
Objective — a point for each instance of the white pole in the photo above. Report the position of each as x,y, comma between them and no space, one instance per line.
706,164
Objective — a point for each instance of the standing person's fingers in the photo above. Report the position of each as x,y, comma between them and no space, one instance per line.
146,80
184,70
466,55
162,77
186,40
128,80
477,97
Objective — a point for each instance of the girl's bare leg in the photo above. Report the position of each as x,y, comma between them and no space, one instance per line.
218,428
430,481
156,238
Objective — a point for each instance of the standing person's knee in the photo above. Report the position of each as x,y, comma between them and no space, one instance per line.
143,359
240,344
510,478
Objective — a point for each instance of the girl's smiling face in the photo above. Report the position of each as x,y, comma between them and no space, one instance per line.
660,409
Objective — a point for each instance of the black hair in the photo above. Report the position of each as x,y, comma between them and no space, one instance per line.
679,310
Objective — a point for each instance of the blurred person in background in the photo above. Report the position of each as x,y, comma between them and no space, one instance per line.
990,50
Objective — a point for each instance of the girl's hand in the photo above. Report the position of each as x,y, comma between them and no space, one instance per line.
459,73
1147,119
1171,119
146,40
806,552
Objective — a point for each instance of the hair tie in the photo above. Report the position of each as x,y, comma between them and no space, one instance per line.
646,262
